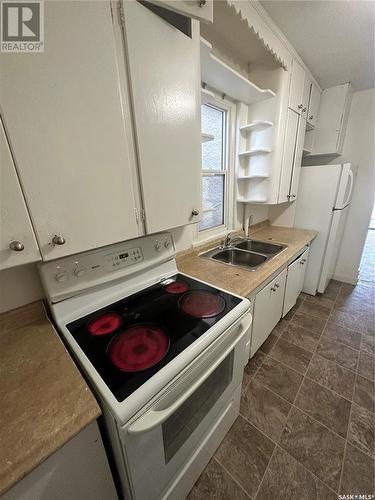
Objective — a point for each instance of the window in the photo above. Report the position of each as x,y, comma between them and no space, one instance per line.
214,165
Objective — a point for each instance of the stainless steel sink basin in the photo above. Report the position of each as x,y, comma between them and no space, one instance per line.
236,257
246,253
262,247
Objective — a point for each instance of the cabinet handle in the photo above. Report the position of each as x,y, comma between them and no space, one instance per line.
288,196
304,110
273,289
277,285
293,196
304,260
194,212
202,3
300,106
311,117
17,246
302,263
58,240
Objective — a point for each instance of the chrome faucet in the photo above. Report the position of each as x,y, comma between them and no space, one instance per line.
228,240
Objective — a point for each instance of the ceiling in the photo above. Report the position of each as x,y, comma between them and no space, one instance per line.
335,38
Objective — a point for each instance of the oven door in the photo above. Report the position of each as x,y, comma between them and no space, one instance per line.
160,442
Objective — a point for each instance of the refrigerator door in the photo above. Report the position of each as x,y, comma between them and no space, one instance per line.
333,247
314,210
344,193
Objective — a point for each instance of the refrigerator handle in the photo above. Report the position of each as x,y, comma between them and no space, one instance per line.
350,180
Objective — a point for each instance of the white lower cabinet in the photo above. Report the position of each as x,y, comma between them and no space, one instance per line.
294,281
268,309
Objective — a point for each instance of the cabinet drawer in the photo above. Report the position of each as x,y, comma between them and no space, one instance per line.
267,310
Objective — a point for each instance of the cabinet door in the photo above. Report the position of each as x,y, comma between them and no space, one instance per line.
267,310
165,82
197,9
288,155
64,114
306,96
297,85
17,241
312,115
297,160
294,282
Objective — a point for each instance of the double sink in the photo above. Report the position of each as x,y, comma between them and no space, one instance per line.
246,253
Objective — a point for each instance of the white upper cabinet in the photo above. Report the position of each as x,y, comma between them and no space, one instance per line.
297,92
165,85
313,109
197,9
292,156
64,114
297,160
17,241
332,121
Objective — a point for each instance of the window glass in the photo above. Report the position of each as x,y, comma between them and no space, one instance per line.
212,151
212,201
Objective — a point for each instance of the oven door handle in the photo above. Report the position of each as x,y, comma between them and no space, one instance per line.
152,418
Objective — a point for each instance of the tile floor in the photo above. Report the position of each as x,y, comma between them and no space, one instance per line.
307,423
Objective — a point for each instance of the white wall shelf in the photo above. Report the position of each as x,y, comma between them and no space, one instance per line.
256,125
255,151
207,137
253,176
252,200
217,75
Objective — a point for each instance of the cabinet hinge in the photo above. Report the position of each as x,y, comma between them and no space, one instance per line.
121,15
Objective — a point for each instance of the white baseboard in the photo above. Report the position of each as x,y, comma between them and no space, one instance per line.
353,280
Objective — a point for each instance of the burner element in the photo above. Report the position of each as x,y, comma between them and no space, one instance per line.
107,323
138,347
176,287
201,304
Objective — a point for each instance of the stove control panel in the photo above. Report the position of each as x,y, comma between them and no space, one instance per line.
70,275
123,258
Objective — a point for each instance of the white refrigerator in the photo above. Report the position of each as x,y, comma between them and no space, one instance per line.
323,204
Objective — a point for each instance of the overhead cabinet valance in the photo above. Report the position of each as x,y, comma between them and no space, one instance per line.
240,37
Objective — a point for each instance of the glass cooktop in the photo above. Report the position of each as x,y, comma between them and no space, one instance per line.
129,341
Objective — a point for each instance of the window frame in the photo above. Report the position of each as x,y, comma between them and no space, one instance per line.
229,107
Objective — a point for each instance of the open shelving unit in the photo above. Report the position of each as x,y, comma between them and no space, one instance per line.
256,125
217,75
254,151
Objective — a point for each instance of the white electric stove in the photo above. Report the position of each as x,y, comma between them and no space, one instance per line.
163,352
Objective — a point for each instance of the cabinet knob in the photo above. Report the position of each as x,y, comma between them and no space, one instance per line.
17,246
304,110
311,117
277,285
58,240
195,212
293,196
300,106
202,3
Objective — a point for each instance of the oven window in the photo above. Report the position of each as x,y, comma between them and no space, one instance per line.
179,426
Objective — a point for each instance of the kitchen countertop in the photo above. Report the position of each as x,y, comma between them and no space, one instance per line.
44,399
236,279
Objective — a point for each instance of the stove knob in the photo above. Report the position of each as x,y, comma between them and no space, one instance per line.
61,277
157,246
79,271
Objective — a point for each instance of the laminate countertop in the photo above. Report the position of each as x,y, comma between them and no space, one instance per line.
44,399
239,280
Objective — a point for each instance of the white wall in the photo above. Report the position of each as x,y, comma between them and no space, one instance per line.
359,148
